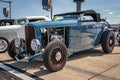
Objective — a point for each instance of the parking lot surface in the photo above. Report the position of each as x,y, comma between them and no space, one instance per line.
86,65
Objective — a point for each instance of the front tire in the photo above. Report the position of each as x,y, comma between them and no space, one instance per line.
108,41
3,44
55,56
12,51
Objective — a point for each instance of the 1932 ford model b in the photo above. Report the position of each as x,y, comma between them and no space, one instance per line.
53,41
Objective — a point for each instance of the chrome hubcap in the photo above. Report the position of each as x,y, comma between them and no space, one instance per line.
3,45
110,41
58,56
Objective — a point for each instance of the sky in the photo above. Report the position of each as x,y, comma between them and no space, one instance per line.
109,9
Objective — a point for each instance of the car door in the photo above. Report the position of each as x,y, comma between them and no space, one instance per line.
74,38
88,33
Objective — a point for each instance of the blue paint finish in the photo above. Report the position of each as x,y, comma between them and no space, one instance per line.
32,58
100,30
38,34
98,39
82,35
75,37
52,24
88,34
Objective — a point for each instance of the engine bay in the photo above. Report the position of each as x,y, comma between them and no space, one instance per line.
51,34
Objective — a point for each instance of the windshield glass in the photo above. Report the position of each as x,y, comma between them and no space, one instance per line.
6,22
36,20
24,21
56,17
21,21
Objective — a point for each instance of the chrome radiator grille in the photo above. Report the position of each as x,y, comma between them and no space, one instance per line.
29,35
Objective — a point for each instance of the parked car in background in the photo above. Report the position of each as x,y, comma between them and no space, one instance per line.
66,34
26,20
118,38
16,29
6,22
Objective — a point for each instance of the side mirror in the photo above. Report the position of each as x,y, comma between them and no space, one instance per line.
6,12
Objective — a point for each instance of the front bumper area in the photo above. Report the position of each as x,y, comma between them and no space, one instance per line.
29,58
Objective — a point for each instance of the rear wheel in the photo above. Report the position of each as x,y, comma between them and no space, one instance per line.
108,41
55,56
3,44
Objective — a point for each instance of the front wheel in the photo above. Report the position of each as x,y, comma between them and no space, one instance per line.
13,51
108,41
55,56
3,44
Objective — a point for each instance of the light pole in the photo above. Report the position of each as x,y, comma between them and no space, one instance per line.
51,11
9,2
78,4
48,6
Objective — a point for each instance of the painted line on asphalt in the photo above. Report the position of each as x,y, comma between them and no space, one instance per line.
86,72
16,73
99,75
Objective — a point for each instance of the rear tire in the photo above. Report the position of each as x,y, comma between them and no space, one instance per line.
108,41
55,56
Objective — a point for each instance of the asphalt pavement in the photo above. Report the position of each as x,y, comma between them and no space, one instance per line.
86,65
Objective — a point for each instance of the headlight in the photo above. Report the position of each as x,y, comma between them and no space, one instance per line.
18,42
35,45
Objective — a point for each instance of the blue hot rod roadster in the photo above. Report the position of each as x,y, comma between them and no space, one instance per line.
53,41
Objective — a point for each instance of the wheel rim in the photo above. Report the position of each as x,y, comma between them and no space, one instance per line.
111,41
57,57
19,50
3,45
